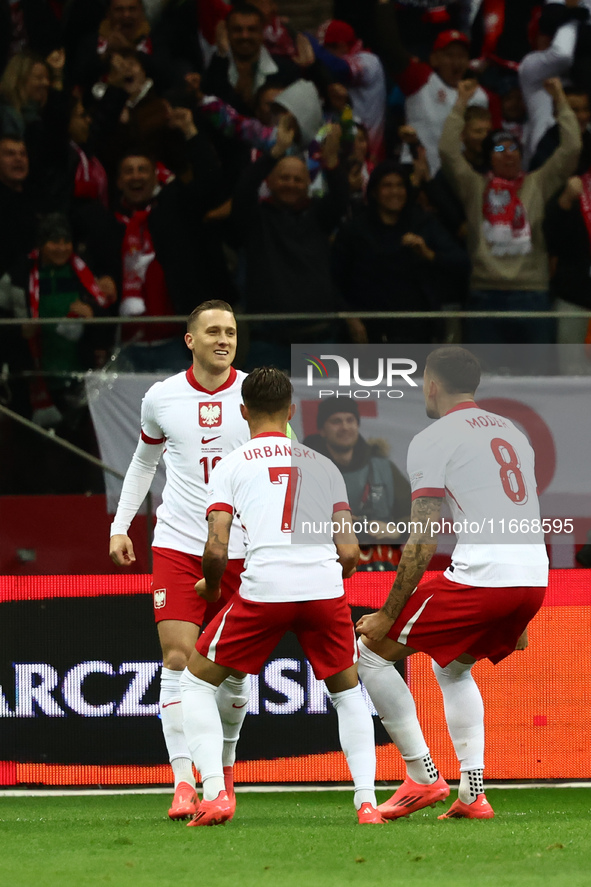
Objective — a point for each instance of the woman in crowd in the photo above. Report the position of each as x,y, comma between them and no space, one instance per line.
394,256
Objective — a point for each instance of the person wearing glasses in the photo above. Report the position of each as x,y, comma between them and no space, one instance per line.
505,211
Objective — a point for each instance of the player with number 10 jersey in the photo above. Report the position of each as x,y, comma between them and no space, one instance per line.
196,428
193,419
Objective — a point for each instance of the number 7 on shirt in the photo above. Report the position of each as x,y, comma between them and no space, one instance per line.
292,478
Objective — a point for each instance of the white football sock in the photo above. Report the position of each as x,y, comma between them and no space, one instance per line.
171,715
398,713
182,769
232,701
471,785
203,729
356,736
464,713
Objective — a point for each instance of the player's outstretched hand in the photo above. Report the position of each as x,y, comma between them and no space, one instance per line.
121,550
206,593
374,626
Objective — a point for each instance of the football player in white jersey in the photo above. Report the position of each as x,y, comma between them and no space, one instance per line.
277,487
480,607
194,419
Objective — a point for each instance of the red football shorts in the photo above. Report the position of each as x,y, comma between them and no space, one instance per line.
445,619
174,575
245,633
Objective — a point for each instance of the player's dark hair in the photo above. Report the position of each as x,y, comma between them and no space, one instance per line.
209,305
267,390
457,368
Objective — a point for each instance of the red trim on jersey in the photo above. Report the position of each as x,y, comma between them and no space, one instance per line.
414,76
434,492
270,434
451,495
465,405
195,384
151,440
220,506
341,506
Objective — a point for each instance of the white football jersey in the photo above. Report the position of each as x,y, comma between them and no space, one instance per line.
484,467
284,495
199,428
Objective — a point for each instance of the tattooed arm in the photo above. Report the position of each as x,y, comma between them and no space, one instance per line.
215,556
418,551
346,542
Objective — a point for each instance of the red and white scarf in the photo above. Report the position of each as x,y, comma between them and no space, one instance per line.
505,225
137,253
80,269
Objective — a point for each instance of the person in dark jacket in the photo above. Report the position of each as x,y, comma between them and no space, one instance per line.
286,245
18,200
157,246
394,256
242,64
378,493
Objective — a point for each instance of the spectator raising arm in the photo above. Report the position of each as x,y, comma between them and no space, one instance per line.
454,164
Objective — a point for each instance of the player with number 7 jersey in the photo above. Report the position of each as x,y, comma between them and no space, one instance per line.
300,546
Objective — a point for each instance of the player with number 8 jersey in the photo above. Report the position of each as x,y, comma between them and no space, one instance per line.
483,467
193,420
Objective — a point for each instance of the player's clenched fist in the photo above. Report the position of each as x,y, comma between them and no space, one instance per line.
207,593
374,626
121,550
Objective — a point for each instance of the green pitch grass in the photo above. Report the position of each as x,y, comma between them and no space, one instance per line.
539,836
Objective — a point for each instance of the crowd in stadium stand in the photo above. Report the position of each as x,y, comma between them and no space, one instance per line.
376,156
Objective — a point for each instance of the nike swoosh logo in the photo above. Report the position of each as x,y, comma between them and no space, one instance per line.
238,706
206,440
171,703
